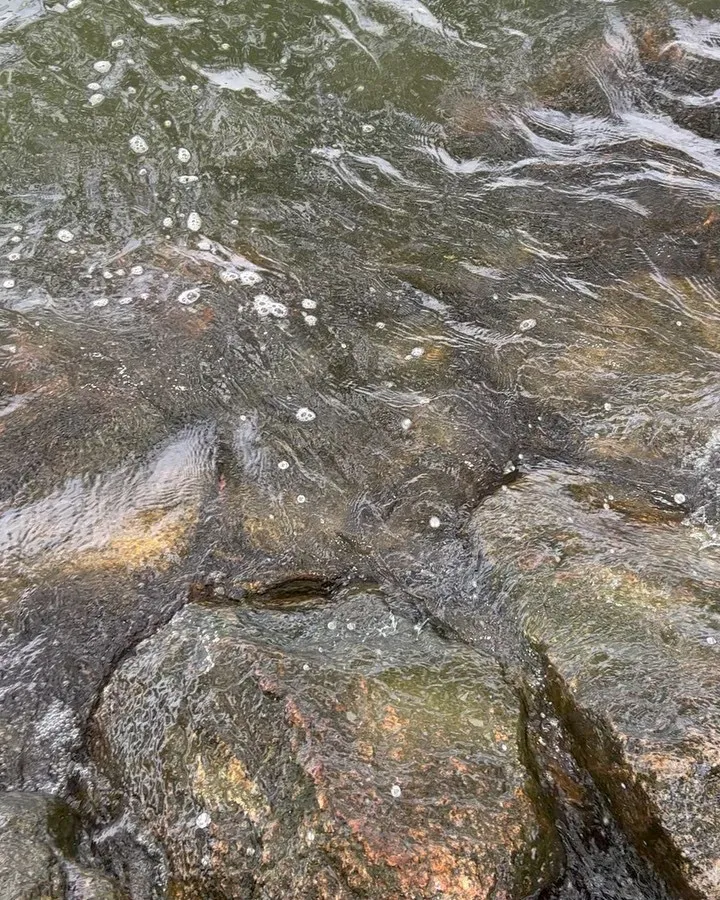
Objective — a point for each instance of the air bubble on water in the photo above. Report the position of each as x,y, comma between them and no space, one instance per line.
203,820
332,626
107,275
679,499
187,179
136,270
304,414
527,324
406,424
100,302
301,498
9,283
225,46
283,465
194,222
249,278
380,325
417,352
307,303
229,275
123,301
204,244
607,406
73,4
368,128
167,123
167,222
194,87
266,306
14,239
96,99
17,227
434,522
142,171
117,43
65,235
102,66
138,144
235,221
187,298
93,86
13,257
183,154
711,640
131,90
396,791
310,320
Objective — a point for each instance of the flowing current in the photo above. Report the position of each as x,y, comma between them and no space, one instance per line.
422,300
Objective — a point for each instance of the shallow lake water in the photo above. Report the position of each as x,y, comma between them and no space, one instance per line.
423,296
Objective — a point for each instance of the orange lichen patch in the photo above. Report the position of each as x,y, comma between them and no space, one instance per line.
665,764
224,779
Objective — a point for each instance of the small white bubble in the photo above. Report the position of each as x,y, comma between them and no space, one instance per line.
527,324
283,465
396,791
17,227
117,43
434,522
93,86
100,302
235,221
380,325
417,352
142,171
229,275
194,87
203,820
248,278
138,144
187,298
167,222
711,640
123,301
136,270
679,499
310,320
167,123
13,257
266,306
15,239
73,4
131,90
607,406
107,275
368,128
224,46
307,303
406,424
102,66
9,283
304,414
65,236
96,99
194,222
187,179
204,244
301,498
183,155
332,626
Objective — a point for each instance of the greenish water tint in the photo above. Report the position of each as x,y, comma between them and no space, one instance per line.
288,289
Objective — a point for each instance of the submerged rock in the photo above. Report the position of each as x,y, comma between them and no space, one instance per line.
625,614
336,750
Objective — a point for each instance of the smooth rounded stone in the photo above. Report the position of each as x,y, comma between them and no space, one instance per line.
621,607
327,750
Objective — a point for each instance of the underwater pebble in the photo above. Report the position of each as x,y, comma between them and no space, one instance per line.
307,303
100,302
102,66
9,283
183,154
679,499
194,222
65,236
396,791
187,298
138,144
96,99
203,820
304,414
434,522
527,324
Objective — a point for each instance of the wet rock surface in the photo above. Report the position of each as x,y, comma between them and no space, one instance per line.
624,613
347,750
